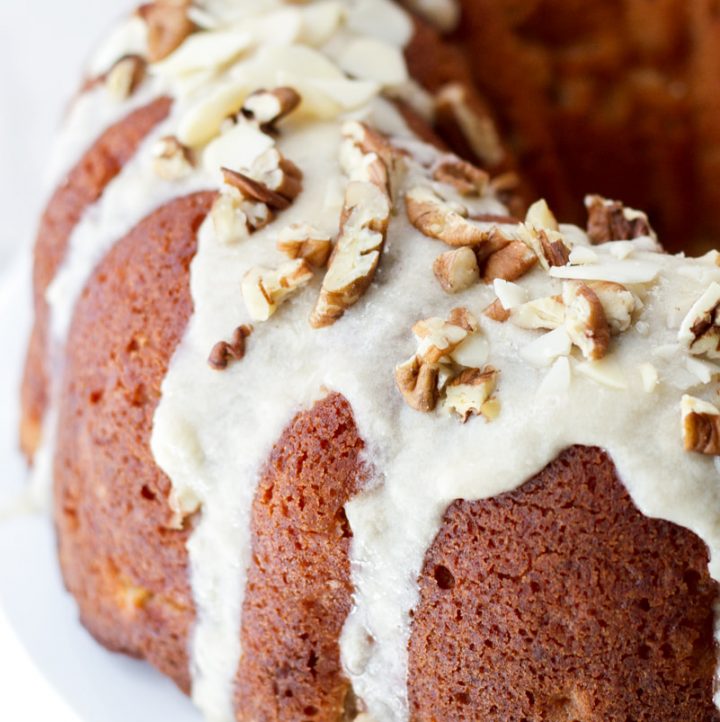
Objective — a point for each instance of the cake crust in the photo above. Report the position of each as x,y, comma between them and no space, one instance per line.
121,557
82,187
561,601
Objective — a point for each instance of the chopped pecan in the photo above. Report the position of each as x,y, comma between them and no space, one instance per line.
438,338
509,263
611,221
364,223
546,313
418,384
264,289
223,352
466,178
168,25
585,320
464,118
301,240
618,304
437,218
700,329
467,393
497,312
268,107
701,426
456,270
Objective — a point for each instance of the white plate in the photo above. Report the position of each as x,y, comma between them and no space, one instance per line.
98,685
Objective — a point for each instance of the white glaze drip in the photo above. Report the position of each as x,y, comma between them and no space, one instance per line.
213,430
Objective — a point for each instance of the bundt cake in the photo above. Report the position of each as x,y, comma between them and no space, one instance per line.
338,427
618,96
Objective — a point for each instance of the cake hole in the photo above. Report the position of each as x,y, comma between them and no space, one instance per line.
96,397
462,698
644,651
644,604
692,580
444,577
310,711
148,493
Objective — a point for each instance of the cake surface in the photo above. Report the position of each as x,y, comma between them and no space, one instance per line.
266,488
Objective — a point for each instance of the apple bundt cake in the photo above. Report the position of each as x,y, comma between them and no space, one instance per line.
339,427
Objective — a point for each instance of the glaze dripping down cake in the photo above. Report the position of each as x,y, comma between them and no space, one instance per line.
341,428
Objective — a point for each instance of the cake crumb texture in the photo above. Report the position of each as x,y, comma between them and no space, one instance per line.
121,557
299,590
561,602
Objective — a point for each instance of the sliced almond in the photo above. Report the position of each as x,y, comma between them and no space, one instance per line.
540,217
649,377
544,350
605,372
542,313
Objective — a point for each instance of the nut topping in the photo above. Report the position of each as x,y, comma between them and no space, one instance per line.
585,320
542,313
700,329
223,353
172,160
617,302
438,338
125,77
701,426
418,383
467,393
268,107
456,270
272,179
365,155
509,263
168,25
437,218
234,217
301,240
497,312
611,221
540,217
264,289
466,178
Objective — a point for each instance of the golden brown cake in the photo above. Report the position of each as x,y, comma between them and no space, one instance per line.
617,97
337,427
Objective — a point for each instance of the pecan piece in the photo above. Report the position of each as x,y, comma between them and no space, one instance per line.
585,320
611,221
223,352
509,263
168,25
417,381
701,426
456,270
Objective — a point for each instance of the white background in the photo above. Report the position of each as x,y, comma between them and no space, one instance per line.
42,47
